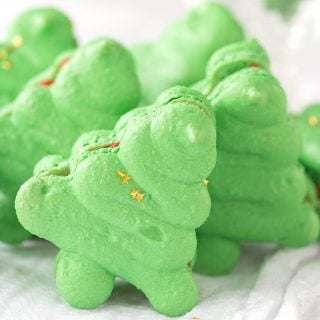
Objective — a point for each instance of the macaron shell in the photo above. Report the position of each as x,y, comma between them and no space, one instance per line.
34,40
125,213
180,54
86,92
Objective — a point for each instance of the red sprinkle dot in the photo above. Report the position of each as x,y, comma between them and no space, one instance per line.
254,65
46,83
114,145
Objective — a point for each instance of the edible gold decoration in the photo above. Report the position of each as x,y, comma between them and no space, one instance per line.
17,41
313,121
137,195
124,177
6,65
3,54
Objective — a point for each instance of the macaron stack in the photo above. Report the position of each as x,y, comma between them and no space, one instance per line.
151,162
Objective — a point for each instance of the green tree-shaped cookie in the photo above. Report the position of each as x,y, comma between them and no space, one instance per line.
127,204
180,55
258,188
309,124
85,90
34,40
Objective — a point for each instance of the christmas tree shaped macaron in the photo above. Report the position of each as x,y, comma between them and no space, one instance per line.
127,203
258,188
309,124
33,41
180,55
85,90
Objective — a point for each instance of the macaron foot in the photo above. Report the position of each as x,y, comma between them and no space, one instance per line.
172,294
81,282
301,231
13,233
216,255
11,230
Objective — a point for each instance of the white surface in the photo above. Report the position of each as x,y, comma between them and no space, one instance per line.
268,284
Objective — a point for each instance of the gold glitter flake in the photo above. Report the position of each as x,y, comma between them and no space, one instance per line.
205,182
6,65
3,54
124,177
137,195
313,121
17,41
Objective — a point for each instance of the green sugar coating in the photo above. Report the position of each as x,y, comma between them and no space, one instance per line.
85,90
128,205
33,41
258,188
309,124
180,55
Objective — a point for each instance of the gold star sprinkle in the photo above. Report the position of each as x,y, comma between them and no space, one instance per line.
3,54
17,41
124,177
137,195
313,121
6,65
195,318
205,182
